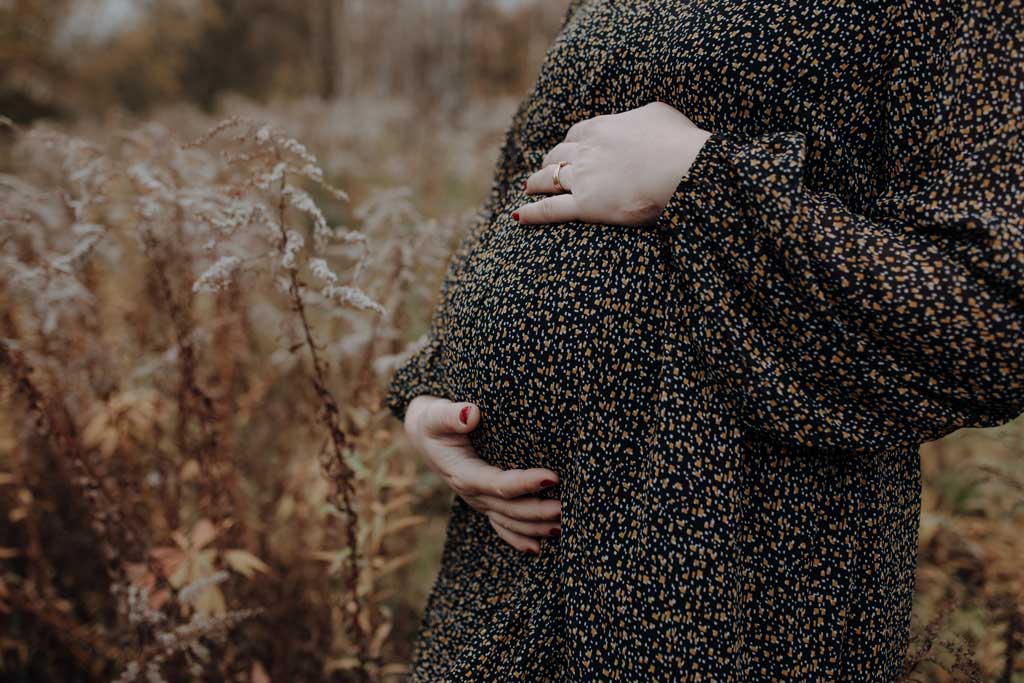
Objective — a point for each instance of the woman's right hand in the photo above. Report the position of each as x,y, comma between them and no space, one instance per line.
439,431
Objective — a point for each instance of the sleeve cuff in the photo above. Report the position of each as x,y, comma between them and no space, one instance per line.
416,377
699,173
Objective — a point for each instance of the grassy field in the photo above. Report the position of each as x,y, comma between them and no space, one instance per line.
198,315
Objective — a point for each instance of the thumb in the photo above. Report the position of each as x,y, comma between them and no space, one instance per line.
467,416
454,416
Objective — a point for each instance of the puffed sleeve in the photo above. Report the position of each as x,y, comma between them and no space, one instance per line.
422,373
892,325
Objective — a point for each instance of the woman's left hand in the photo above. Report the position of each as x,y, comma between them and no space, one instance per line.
621,169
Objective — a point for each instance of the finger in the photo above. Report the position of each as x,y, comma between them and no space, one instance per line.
469,475
518,541
563,151
445,417
509,484
559,208
522,509
543,181
531,529
475,477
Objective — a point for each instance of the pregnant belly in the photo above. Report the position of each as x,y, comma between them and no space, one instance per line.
549,323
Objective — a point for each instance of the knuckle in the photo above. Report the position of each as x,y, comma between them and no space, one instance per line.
433,417
499,506
518,526
571,179
581,128
529,529
545,210
526,512
458,484
640,210
502,490
415,419
599,129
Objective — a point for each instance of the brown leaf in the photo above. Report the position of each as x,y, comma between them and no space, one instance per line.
244,562
258,674
202,533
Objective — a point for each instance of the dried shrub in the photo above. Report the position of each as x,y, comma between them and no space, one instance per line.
206,484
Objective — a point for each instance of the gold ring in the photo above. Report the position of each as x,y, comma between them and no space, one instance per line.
558,185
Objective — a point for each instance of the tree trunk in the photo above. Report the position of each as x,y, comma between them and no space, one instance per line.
329,48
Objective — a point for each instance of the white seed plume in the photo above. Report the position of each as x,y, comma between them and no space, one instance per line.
218,276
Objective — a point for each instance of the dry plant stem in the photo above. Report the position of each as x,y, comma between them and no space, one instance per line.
371,343
57,425
1014,639
228,370
923,653
964,668
192,400
87,644
334,466
104,514
367,381
173,642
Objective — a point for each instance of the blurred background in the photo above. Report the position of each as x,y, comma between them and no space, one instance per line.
68,58
223,223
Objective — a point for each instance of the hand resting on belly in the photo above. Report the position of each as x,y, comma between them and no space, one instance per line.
617,169
439,431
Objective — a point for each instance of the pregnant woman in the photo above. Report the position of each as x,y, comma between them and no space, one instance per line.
740,258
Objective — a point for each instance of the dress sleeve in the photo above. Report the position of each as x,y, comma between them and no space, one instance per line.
422,372
891,325
570,11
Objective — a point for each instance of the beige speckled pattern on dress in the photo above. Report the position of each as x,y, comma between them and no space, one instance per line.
733,397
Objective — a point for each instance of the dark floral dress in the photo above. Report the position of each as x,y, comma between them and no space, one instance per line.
734,397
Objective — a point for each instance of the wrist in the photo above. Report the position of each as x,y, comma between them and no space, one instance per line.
692,143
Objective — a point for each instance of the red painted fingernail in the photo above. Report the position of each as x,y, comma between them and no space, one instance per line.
548,482
524,184
532,552
464,415
555,533
515,215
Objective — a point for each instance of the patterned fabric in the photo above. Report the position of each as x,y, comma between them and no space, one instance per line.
733,397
